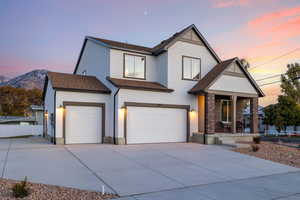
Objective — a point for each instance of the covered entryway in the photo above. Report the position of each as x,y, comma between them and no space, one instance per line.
156,123
83,122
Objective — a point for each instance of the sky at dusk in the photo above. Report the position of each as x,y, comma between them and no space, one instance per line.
48,34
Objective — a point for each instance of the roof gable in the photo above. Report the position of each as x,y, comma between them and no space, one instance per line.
220,69
190,33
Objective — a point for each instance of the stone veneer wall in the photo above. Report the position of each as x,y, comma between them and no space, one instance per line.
254,115
210,113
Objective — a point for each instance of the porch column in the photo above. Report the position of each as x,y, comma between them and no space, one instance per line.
233,114
254,115
210,113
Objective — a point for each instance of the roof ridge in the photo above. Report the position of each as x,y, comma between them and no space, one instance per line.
80,75
126,43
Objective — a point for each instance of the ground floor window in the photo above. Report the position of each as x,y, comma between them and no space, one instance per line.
226,110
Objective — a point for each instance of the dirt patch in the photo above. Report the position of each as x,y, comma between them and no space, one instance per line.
46,192
275,152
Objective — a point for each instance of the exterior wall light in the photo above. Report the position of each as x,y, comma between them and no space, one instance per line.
46,114
192,113
123,108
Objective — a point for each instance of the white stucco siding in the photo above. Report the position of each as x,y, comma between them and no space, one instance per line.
179,49
62,96
175,53
233,84
94,60
176,97
49,107
117,65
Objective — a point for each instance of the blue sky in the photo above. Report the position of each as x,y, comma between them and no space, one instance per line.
48,34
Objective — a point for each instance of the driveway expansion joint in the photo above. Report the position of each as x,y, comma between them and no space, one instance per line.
6,158
94,173
207,184
286,196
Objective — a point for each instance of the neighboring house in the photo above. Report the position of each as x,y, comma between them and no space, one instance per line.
34,116
247,119
264,128
36,112
16,120
127,94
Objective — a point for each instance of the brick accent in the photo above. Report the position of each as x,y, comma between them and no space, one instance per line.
254,115
240,105
210,113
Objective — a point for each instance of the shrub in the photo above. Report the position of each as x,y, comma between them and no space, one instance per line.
254,148
256,140
20,190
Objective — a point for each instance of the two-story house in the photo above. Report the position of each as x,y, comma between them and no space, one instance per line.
127,94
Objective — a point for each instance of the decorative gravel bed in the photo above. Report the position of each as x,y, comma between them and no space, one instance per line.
47,192
275,152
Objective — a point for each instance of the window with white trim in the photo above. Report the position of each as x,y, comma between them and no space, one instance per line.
134,66
191,68
225,110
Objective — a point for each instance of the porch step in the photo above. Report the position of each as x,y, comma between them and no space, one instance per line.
227,140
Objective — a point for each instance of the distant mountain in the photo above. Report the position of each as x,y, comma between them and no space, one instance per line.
3,79
30,80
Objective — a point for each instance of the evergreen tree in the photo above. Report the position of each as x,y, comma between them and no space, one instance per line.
290,85
287,111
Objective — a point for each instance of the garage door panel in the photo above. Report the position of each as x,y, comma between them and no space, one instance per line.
156,125
83,124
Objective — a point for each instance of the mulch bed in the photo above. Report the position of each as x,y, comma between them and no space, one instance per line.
47,192
275,152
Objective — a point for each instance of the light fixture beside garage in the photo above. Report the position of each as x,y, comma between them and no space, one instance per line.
123,109
46,114
192,113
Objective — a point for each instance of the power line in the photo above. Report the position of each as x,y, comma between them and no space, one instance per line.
268,77
269,83
274,59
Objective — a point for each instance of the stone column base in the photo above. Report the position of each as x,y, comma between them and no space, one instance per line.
60,141
108,140
120,141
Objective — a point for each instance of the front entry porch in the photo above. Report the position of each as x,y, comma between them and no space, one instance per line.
223,113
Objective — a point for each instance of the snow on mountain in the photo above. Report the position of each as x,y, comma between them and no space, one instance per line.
30,80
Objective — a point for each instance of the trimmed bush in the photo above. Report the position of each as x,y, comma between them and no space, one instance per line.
256,140
20,190
254,147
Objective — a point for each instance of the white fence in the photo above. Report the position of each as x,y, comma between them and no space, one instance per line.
20,130
272,130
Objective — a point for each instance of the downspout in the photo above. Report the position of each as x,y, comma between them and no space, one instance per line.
54,123
115,115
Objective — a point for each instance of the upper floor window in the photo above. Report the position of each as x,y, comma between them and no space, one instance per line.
191,68
134,66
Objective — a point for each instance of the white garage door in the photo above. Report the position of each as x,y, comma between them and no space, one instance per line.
83,124
156,125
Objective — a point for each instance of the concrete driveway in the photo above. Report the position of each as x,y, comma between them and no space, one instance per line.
152,171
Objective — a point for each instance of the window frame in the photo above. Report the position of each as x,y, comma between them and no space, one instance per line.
228,111
188,79
124,63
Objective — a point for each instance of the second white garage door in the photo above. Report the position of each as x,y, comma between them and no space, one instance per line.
156,125
83,124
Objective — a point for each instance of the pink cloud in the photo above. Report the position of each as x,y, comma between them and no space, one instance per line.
271,17
230,3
